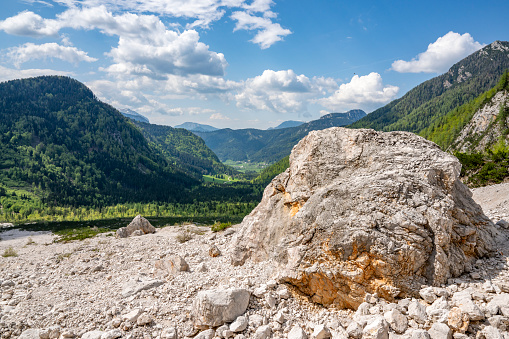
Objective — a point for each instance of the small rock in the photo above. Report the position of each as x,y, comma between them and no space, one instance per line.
214,251
202,267
283,293
417,311
354,330
457,320
440,331
144,319
32,333
132,316
270,300
113,334
397,321
376,329
280,317
239,324
92,335
490,332
207,334
297,333
475,275
172,265
169,333
419,334
213,308
321,332
263,332
67,334
255,320
428,294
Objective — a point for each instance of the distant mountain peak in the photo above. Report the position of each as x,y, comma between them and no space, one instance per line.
129,113
196,127
287,124
355,114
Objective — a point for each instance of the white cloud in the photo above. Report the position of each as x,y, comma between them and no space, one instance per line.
440,55
279,91
30,51
12,74
30,24
364,92
166,53
218,116
268,32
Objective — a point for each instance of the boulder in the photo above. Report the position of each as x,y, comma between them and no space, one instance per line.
360,211
213,308
172,265
140,225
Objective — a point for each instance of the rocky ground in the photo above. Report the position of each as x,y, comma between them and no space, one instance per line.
149,287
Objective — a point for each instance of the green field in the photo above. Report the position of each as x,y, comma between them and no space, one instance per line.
226,179
245,166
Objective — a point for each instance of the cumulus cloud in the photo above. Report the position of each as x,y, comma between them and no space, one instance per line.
30,51
167,53
12,74
30,24
440,55
279,91
268,32
364,92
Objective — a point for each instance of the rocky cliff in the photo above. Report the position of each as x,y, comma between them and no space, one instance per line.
361,211
487,126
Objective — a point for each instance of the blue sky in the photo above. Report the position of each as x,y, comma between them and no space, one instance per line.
244,63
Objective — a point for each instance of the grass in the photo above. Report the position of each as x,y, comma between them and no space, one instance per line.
228,180
219,226
9,252
184,236
79,230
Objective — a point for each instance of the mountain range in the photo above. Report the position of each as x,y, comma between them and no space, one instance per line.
269,145
61,144
196,127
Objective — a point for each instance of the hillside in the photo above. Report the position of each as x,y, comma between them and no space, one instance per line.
59,142
478,134
184,150
269,145
423,105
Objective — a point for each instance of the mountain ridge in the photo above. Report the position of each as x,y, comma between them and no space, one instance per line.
434,98
269,145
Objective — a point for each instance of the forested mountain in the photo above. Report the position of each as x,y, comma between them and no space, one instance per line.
195,127
269,145
58,140
129,113
429,101
184,150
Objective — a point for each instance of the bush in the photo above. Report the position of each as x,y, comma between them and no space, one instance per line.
9,252
219,226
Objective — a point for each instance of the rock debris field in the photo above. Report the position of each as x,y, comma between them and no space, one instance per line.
107,287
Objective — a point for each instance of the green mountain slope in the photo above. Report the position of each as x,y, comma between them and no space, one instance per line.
59,142
269,145
478,134
184,150
421,106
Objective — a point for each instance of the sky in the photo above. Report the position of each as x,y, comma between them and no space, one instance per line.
244,63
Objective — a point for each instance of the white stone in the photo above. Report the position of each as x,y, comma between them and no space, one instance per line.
297,333
215,307
92,335
440,331
262,332
239,324
377,329
397,321
320,332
